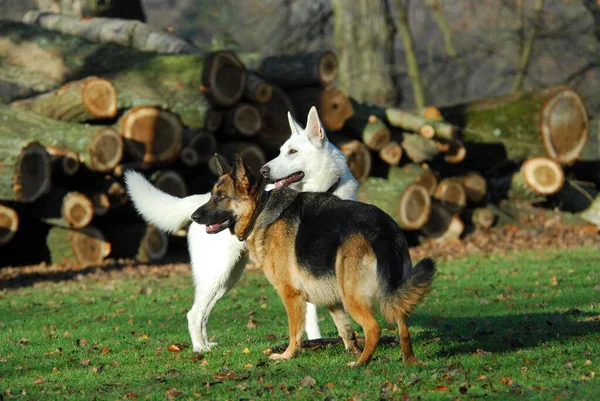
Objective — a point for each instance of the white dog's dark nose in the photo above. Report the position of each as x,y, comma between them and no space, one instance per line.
265,170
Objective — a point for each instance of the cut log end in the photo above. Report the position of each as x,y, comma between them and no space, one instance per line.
358,157
105,150
564,126
170,182
66,162
77,210
328,68
427,131
429,181
414,207
442,225
456,153
89,246
391,153
375,134
475,186
450,191
200,148
154,245
252,155
335,108
247,119
483,218
99,98
101,203
152,134
9,224
33,173
213,120
225,78
542,175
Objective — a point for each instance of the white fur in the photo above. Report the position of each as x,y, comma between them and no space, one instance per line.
215,258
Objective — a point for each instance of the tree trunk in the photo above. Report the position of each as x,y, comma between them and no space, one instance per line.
135,34
333,105
407,202
420,175
419,149
299,70
65,163
376,134
87,247
257,89
275,129
9,224
475,186
79,101
100,148
171,182
552,122
124,9
151,134
25,171
483,218
364,73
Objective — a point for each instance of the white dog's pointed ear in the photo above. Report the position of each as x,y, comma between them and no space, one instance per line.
314,128
294,126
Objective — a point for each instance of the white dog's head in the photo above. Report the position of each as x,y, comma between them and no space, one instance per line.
302,157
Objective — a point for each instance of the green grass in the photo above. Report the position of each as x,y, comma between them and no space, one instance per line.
497,327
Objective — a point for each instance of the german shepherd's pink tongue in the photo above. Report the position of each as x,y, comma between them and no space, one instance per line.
211,228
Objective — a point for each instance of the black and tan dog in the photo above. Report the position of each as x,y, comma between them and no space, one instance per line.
318,248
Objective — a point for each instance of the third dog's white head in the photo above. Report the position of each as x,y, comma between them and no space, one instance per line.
306,157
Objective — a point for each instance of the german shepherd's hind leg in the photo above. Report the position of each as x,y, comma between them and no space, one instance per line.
295,308
408,355
361,311
342,322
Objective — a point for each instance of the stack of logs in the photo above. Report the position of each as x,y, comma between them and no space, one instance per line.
68,137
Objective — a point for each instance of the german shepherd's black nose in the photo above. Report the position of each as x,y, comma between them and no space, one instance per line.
265,170
197,215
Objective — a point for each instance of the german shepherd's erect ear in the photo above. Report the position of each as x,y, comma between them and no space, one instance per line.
222,165
244,179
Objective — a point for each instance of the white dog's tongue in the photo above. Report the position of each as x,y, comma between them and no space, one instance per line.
289,180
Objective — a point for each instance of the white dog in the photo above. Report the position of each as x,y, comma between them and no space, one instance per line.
306,162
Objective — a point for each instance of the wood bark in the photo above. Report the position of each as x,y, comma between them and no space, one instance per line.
475,186
419,149
537,178
88,99
407,202
419,174
299,70
548,122
9,224
87,247
151,134
123,32
451,193
375,134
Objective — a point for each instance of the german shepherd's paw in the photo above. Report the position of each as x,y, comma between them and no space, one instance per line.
354,364
280,357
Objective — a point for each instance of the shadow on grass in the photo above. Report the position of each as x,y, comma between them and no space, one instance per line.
481,334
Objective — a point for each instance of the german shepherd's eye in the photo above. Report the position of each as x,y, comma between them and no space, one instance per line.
292,151
221,196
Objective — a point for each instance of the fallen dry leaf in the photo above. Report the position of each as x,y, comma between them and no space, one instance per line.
130,396
39,380
270,337
24,341
99,369
246,351
506,380
440,388
105,350
143,337
55,370
553,281
308,381
173,348
84,362
173,393
251,324
248,365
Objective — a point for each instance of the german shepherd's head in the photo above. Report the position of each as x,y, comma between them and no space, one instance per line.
233,201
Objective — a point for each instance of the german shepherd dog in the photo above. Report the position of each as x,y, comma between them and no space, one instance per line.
318,248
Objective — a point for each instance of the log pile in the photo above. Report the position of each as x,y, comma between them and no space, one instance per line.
71,130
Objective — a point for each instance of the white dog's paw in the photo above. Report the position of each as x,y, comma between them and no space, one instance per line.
204,347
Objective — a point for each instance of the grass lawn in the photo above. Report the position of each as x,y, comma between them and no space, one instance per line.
519,326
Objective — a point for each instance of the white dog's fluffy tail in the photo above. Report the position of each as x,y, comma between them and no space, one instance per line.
168,213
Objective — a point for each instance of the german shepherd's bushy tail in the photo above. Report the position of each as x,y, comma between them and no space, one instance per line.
402,301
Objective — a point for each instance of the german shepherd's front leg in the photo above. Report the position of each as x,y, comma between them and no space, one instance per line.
295,307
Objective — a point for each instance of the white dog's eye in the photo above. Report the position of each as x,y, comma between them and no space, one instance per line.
292,151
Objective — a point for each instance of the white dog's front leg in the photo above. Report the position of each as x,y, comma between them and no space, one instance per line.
312,322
